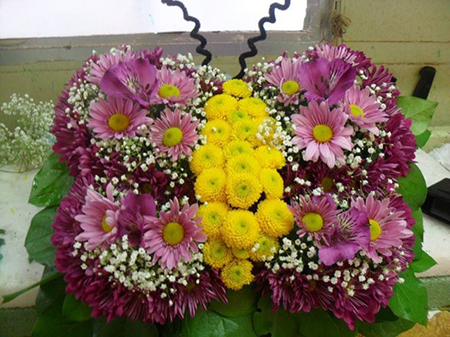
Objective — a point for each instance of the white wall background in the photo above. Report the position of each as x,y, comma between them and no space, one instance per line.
56,18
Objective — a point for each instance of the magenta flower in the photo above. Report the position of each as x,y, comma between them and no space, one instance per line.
351,235
175,87
116,118
387,226
135,80
174,134
285,76
363,109
315,217
330,52
326,80
106,61
98,220
322,132
174,235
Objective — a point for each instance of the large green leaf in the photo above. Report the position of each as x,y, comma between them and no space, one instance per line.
37,242
410,300
318,323
211,324
50,292
240,303
51,183
278,324
418,234
75,310
385,329
413,188
45,279
422,139
121,327
419,110
424,263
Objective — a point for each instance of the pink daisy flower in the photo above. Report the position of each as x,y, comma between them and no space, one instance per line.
316,216
98,220
387,226
175,87
116,118
174,134
363,109
285,76
322,132
173,236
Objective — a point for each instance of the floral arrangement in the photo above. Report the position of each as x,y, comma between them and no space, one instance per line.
29,143
191,190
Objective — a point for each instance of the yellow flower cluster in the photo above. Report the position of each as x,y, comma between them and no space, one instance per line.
235,175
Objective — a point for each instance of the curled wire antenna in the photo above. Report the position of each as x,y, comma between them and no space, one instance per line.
194,33
262,36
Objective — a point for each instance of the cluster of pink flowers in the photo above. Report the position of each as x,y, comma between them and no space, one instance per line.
128,236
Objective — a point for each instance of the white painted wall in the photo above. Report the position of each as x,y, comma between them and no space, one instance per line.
56,18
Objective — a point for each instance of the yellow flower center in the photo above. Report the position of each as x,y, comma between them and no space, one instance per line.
118,122
356,111
241,253
327,184
375,229
313,222
173,233
322,133
107,228
168,90
172,137
290,87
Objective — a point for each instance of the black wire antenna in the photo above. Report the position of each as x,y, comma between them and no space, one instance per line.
262,36
194,33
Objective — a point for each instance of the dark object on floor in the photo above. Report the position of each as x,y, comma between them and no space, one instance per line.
426,80
437,204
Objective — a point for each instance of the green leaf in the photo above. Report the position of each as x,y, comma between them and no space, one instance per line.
419,110
344,330
211,324
413,188
121,327
51,183
385,329
418,234
75,310
37,242
47,278
422,139
50,292
240,303
52,323
316,323
410,300
425,263
278,324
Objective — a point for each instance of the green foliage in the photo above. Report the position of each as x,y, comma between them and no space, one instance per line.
75,310
422,139
386,325
413,188
37,242
278,324
51,183
121,327
423,264
2,241
28,142
410,300
240,303
419,110
319,323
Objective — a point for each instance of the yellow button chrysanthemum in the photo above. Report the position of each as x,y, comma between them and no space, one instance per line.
213,216
237,274
255,107
243,190
246,130
240,253
270,157
206,157
237,88
274,218
217,132
220,106
243,164
266,245
237,116
238,147
210,185
272,183
216,253
241,229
